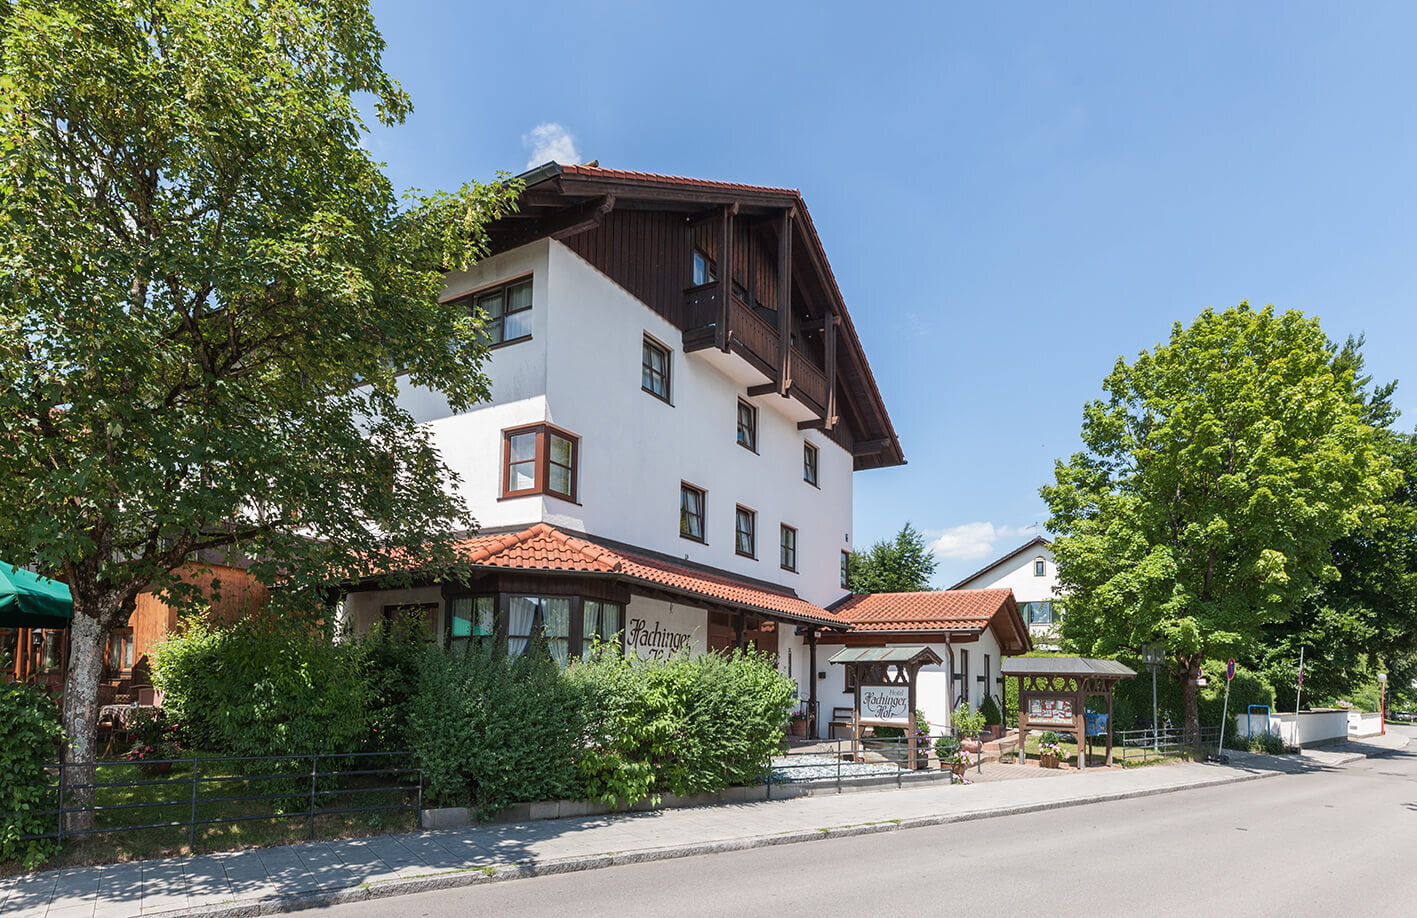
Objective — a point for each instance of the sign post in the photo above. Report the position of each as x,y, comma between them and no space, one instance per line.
1225,709
1382,703
1297,693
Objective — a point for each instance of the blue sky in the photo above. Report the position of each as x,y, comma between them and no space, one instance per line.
1011,195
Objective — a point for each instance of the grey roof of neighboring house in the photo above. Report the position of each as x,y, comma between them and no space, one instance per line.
1064,666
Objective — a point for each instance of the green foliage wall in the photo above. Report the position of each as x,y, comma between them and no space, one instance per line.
29,726
682,725
490,731
264,686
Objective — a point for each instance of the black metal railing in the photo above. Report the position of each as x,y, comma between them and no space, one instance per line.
1163,742
293,787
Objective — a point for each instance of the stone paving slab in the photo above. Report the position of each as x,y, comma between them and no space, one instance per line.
272,880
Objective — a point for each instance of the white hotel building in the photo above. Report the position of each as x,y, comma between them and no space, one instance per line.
679,403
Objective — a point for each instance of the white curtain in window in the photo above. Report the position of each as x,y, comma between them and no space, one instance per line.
556,625
521,615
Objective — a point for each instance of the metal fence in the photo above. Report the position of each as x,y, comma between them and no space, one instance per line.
867,760
299,787
1164,742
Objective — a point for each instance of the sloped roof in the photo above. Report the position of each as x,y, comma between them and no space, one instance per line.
545,548
1066,666
1036,540
936,610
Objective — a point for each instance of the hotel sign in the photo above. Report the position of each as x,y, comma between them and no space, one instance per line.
885,704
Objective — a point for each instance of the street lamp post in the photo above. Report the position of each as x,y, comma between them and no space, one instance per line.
1152,655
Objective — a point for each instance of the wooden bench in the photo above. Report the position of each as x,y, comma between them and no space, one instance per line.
841,717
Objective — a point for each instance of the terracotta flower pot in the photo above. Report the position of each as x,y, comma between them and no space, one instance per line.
1048,761
959,768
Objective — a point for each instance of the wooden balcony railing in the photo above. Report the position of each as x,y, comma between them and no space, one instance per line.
757,337
808,382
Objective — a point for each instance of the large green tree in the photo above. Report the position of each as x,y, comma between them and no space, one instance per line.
1215,478
209,294
903,564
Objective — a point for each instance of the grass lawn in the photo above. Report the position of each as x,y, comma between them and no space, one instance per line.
273,808
1135,757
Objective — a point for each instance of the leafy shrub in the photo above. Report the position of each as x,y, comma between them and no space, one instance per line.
1269,743
922,728
31,727
1048,736
263,686
681,725
968,724
491,731
391,655
156,735
990,710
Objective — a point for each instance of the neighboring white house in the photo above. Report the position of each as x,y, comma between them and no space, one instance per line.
679,402
1032,574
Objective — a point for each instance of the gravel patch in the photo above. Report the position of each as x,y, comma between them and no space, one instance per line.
789,769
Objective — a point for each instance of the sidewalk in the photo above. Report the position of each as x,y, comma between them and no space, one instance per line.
272,880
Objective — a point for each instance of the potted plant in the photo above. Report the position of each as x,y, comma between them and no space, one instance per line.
1050,754
993,717
968,725
952,757
797,725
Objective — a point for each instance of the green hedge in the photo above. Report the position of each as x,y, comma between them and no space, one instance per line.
684,725
29,728
264,686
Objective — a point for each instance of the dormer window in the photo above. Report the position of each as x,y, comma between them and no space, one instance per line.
1039,569
703,269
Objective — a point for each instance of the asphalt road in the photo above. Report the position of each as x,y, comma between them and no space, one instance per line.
1333,842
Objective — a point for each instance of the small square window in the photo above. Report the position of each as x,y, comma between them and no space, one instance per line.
747,426
654,369
703,269
746,533
788,546
539,460
691,512
809,464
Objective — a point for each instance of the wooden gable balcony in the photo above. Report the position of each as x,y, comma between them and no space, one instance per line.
753,357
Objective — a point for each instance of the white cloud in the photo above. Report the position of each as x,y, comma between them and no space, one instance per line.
975,541
549,141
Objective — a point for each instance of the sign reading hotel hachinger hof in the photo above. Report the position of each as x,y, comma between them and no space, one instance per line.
885,704
1050,711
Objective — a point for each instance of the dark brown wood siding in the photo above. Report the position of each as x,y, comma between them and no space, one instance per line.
649,253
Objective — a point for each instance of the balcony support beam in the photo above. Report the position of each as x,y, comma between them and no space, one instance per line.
784,300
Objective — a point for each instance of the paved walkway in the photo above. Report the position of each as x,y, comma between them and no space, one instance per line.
270,880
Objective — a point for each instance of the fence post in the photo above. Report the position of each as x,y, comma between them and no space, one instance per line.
420,797
62,814
192,829
314,760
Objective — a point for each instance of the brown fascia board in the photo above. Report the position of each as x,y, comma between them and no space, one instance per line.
629,186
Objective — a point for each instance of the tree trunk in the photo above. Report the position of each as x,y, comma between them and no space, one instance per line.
1190,695
87,634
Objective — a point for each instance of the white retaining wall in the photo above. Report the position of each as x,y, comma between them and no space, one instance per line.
1310,728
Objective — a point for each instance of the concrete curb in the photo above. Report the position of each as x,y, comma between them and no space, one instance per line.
478,875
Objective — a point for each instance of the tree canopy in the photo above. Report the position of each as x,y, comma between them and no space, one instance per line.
1216,477
209,296
900,565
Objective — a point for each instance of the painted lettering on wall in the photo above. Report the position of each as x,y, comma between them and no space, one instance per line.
885,703
655,642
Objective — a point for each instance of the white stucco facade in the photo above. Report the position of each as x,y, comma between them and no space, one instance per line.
581,371
1019,571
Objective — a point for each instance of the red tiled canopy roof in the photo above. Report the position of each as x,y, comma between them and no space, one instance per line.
936,610
544,548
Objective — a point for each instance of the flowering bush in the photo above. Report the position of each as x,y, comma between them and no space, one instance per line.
155,735
1052,749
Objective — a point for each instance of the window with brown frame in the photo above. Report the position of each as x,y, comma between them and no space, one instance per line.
745,523
539,459
654,369
120,651
809,464
747,426
788,548
507,311
691,512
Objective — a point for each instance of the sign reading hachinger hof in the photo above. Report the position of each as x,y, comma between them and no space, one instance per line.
885,704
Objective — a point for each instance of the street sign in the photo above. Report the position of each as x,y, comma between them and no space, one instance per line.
1230,669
